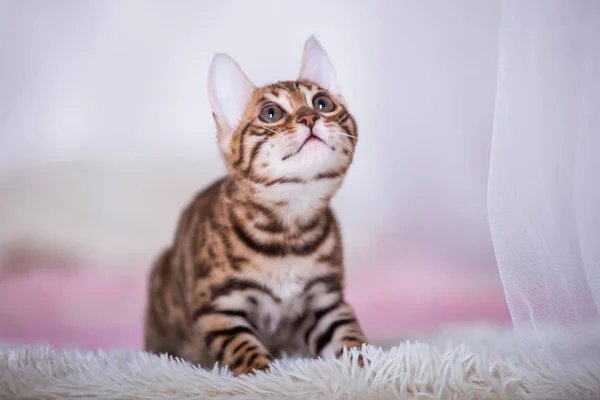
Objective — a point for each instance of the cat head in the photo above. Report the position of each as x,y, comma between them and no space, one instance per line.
286,132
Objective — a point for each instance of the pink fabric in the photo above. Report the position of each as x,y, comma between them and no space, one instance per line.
396,302
81,309
86,309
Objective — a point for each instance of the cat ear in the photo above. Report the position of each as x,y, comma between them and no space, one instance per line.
316,67
229,90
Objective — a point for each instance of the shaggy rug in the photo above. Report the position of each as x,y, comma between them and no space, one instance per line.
411,370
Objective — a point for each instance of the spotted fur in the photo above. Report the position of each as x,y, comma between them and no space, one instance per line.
256,265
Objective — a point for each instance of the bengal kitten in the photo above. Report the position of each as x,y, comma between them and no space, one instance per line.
256,267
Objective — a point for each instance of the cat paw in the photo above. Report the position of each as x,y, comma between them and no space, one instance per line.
360,360
260,363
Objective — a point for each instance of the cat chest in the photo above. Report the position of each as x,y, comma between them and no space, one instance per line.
286,279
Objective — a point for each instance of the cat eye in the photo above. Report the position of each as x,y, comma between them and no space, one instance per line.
271,113
323,104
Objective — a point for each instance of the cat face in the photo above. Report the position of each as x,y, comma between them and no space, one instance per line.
293,131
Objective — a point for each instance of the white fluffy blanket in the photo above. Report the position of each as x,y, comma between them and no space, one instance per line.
409,370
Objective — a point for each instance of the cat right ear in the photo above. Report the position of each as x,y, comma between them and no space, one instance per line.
316,67
229,90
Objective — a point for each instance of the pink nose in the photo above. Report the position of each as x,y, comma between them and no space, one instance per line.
307,116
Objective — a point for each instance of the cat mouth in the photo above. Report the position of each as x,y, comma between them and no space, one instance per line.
311,138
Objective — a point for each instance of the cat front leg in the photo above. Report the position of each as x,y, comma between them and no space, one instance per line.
230,338
334,326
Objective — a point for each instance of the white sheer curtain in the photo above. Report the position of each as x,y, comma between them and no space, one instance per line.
544,186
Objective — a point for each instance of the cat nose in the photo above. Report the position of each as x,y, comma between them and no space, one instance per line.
307,116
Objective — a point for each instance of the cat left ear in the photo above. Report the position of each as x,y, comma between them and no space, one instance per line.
229,90
316,67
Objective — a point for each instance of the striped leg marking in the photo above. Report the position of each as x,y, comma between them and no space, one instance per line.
231,339
334,327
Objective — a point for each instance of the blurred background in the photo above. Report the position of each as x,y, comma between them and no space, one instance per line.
106,133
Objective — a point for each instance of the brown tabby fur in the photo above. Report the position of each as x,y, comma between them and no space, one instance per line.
256,266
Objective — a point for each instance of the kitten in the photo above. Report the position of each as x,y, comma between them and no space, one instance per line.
256,266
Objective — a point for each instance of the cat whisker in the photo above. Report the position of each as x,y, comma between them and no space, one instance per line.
236,146
341,118
267,129
251,169
345,146
260,181
272,129
345,134
254,164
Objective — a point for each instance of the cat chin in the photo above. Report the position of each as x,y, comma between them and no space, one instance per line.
313,159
